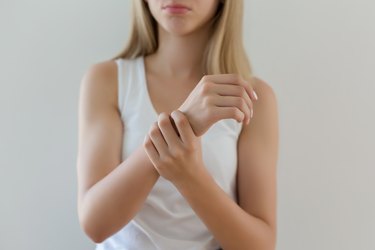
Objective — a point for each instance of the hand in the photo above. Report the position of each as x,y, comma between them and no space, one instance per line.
176,155
218,97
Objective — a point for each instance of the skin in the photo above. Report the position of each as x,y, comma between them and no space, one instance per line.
106,197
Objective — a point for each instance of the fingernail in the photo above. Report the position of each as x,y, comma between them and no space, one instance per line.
255,94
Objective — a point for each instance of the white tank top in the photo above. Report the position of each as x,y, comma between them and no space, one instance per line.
166,221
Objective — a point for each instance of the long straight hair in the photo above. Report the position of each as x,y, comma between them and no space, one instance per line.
224,51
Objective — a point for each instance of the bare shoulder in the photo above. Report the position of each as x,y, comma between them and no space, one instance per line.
265,108
100,82
263,89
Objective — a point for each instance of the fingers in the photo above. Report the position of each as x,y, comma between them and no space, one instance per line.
151,150
158,139
183,126
163,137
232,79
234,90
229,113
234,101
167,130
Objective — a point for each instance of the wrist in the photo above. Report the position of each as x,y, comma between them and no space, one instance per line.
193,182
190,120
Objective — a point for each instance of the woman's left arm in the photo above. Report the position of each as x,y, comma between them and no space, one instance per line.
250,224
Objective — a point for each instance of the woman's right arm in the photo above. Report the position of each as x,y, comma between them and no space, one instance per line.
110,192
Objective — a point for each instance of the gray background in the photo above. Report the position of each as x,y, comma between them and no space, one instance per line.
317,55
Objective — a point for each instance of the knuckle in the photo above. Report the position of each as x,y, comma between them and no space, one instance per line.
243,104
240,91
236,78
238,102
190,147
206,87
204,78
243,91
163,121
181,121
212,114
240,115
154,126
207,100
237,113
147,142
154,131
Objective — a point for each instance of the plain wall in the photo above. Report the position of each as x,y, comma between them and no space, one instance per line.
317,55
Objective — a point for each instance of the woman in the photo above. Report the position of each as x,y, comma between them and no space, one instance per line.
177,140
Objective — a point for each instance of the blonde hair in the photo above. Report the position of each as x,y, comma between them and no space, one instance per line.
224,52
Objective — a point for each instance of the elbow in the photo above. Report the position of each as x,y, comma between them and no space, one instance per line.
96,227
96,238
93,231
269,237
270,242
92,227
267,241
97,222
90,223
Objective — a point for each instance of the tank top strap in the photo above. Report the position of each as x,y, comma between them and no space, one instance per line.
130,89
120,84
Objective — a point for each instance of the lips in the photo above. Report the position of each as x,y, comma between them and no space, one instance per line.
176,8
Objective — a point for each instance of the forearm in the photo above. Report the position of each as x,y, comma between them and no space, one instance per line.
113,201
233,227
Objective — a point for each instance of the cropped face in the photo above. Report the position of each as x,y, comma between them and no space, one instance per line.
184,16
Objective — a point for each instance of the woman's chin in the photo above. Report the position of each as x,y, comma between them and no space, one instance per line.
178,31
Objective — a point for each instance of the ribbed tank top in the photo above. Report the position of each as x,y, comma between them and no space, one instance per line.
166,221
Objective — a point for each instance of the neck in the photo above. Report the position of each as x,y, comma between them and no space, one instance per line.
180,56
